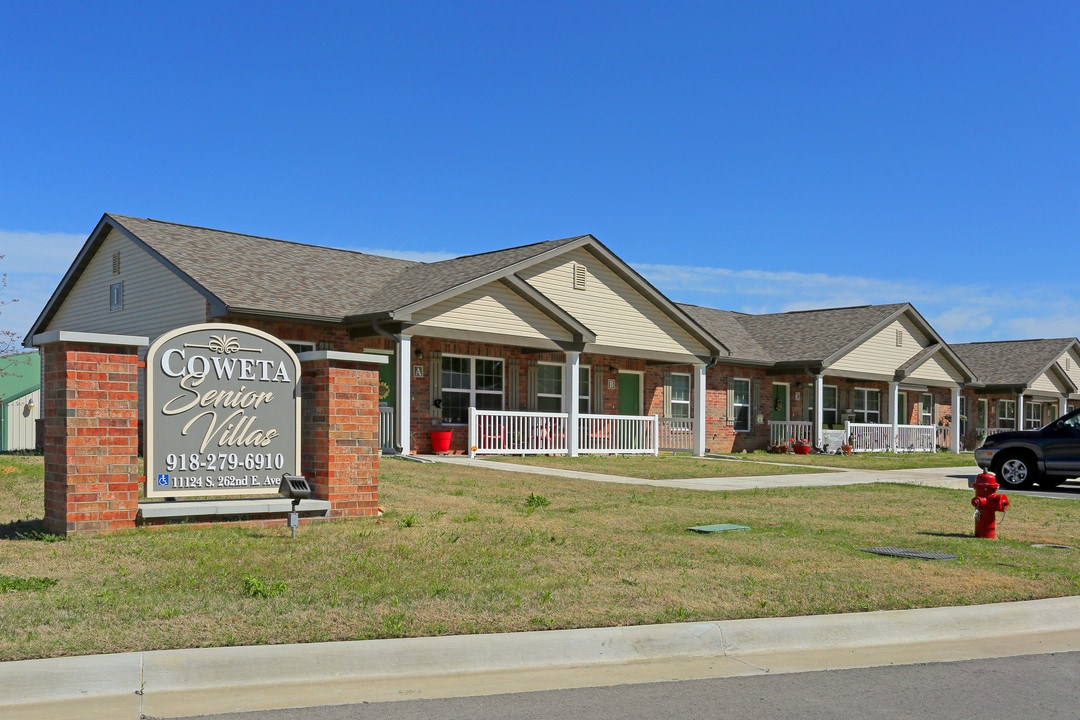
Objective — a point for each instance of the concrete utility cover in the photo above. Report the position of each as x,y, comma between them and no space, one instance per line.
909,553
722,527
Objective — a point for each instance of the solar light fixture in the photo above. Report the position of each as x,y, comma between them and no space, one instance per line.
296,488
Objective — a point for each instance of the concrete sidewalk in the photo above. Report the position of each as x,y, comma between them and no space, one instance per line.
950,477
175,683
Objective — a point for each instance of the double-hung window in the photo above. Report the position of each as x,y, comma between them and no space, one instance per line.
867,405
926,409
739,390
680,395
549,388
1007,414
1033,416
470,382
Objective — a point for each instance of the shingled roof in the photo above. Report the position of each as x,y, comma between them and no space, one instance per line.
815,336
1012,363
726,325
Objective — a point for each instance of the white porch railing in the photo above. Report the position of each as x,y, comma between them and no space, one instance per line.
876,437
505,432
783,432
677,434
386,428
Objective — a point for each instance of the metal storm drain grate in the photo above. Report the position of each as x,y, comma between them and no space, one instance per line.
909,553
1052,546
722,527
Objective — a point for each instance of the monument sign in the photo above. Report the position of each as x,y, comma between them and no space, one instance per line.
222,412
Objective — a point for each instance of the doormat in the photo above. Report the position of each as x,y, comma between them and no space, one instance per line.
909,553
722,527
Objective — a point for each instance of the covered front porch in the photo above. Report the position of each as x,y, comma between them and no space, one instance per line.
850,414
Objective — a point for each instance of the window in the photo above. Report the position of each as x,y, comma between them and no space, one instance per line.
739,399
1033,416
903,414
549,388
584,386
1007,414
300,347
829,413
470,382
867,405
926,409
116,296
680,395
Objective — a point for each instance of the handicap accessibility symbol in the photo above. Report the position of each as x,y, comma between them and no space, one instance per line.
163,480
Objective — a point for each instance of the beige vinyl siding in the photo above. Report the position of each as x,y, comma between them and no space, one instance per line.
620,316
936,371
1072,367
155,299
1048,384
879,354
492,309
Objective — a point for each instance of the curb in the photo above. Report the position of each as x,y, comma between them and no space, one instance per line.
172,672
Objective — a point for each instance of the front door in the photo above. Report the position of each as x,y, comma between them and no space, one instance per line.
627,435
629,393
780,402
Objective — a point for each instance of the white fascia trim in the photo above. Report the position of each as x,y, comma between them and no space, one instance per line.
343,356
55,336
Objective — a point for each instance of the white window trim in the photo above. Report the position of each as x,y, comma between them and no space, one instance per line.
866,412
688,402
473,392
735,406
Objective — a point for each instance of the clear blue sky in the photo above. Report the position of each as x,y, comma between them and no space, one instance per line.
755,156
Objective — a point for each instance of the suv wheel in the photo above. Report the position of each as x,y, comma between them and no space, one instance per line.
1016,472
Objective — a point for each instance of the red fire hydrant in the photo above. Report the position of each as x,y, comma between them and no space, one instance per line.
987,504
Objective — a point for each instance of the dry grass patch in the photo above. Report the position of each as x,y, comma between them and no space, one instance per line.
465,550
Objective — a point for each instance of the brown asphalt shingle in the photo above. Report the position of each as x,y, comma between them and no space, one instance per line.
1011,362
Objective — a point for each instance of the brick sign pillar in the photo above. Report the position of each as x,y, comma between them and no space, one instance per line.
91,428
339,430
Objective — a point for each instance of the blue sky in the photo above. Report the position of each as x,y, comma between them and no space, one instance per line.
752,156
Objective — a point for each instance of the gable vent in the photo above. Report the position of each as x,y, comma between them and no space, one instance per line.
116,263
579,276
899,338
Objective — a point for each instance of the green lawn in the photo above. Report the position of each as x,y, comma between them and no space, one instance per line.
475,550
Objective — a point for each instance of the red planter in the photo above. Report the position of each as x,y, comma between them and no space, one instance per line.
801,449
440,441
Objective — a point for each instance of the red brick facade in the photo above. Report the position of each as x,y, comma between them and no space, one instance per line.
340,435
91,411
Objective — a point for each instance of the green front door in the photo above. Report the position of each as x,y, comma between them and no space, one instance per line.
780,402
386,383
629,394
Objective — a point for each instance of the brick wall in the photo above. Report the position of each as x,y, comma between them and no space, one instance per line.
91,437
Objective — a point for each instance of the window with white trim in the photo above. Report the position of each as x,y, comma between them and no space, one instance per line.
1006,412
926,409
867,405
549,382
830,414
1033,416
739,389
680,395
584,393
470,382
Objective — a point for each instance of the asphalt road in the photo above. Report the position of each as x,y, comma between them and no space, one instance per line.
1027,687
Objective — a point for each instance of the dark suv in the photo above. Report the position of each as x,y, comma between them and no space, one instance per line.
1048,456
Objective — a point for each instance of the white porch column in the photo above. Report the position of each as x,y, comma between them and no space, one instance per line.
1019,412
954,433
699,411
1063,405
894,414
570,401
819,411
403,394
